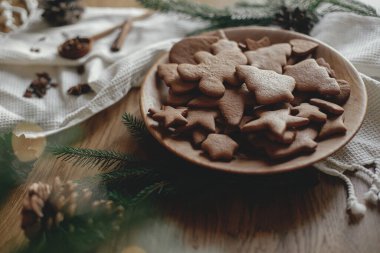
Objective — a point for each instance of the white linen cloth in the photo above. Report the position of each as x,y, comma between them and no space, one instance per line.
110,79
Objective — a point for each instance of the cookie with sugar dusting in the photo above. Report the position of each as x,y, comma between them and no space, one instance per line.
213,70
219,147
310,77
268,86
273,57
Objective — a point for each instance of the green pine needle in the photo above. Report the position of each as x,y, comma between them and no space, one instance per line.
135,126
100,158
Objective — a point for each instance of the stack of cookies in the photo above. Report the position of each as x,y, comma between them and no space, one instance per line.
276,99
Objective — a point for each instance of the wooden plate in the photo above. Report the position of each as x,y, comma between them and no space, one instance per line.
355,109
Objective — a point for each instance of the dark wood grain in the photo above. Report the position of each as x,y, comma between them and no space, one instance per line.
305,214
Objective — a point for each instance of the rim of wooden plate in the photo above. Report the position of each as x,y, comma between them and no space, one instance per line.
355,110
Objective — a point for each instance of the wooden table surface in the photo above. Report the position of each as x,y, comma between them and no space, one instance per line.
306,215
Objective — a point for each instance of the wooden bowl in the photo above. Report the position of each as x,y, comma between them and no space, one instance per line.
355,109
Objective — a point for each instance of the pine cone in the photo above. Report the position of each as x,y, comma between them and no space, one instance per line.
295,19
46,207
62,12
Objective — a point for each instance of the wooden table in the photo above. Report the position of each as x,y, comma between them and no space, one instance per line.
300,217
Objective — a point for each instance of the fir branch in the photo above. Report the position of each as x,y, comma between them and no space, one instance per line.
101,158
135,126
12,171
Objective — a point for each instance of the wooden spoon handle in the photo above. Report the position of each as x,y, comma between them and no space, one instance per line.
118,43
105,33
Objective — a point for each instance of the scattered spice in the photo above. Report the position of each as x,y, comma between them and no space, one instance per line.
40,85
81,69
34,50
77,90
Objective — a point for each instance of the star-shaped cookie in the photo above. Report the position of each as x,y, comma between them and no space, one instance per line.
310,77
308,111
168,73
334,125
268,86
213,70
275,121
219,147
204,119
169,116
303,143
270,58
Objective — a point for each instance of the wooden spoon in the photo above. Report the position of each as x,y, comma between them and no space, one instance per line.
78,47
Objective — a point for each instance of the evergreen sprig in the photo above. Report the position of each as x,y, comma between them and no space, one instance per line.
100,158
135,126
256,12
12,171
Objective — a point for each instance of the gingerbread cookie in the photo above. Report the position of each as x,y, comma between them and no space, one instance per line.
327,106
199,119
169,73
256,44
274,120
308,111
184,50
203,101
333,126
302,47
343,96
268,86
178,100
321,62
198,136
219,147
213,70
231,106
224,44
310,77
287,138
269,58
303,143
169,116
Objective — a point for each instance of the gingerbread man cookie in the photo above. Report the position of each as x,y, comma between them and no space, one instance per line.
219,147
269,58
310,77
268,86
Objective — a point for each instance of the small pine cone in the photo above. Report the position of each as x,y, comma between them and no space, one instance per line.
62,12
46,207
295,19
